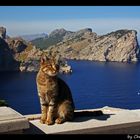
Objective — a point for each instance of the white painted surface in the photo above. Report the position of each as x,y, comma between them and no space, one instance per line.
11,120
112,119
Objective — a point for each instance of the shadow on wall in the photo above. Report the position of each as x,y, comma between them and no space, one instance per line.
33,130
79,117
88,115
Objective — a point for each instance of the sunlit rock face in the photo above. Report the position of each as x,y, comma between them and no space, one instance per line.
120,46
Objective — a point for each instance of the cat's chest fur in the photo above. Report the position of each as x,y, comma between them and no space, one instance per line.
47,87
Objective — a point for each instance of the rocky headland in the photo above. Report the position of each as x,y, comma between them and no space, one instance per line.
16,54
119,46
20,55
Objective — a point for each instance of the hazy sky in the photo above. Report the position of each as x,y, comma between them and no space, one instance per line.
37,19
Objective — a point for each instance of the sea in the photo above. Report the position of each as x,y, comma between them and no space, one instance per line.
93,85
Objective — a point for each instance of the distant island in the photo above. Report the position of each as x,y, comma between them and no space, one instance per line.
23,53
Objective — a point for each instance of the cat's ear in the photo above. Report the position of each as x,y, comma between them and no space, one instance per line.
43,59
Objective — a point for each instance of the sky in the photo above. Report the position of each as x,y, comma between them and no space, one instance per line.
22,20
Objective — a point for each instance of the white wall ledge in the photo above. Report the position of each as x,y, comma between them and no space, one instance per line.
12,121
113,121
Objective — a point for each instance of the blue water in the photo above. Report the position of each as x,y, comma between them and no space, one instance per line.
93,85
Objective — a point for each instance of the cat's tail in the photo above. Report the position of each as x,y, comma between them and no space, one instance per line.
88,113
76,114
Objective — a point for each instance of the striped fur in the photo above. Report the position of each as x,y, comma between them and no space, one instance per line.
55,96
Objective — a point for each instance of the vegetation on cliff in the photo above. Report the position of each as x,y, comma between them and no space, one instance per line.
3,103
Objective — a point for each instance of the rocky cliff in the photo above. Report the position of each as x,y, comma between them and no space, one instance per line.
16,52
53,38
26,54
7,61
18,55
120,45
2,32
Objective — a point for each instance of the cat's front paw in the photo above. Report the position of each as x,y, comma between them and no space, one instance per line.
59,120
42,121
49,122
43,118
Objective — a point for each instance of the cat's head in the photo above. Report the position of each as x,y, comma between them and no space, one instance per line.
49,66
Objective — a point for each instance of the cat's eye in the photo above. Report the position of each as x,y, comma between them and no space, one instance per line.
53,66
44,69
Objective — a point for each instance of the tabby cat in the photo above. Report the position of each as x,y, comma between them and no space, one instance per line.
56,101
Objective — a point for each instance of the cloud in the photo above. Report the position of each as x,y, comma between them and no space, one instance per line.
99,25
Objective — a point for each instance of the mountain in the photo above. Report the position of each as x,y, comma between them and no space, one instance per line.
18,55
54,37
120,46
33,36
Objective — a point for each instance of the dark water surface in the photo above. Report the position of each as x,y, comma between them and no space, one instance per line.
93,85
